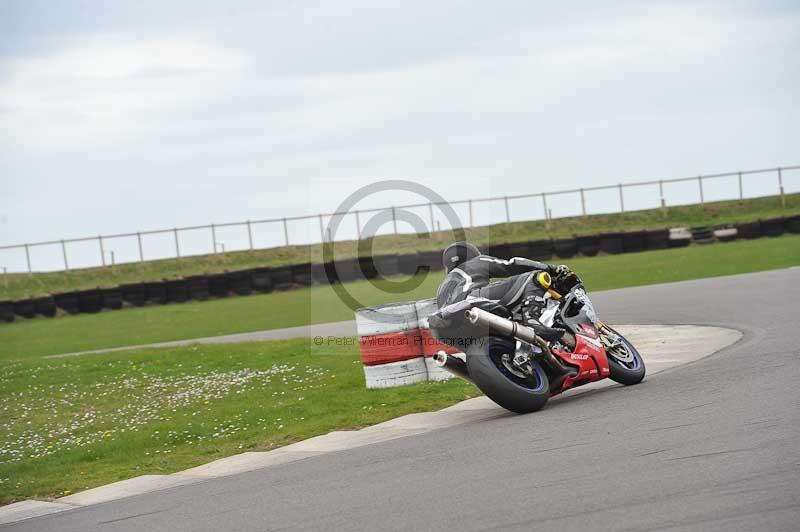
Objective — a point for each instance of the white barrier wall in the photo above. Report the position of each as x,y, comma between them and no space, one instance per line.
396,344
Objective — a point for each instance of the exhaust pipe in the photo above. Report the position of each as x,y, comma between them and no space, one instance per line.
454,365
503,326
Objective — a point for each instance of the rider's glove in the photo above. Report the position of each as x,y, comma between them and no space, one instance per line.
564,278
561,271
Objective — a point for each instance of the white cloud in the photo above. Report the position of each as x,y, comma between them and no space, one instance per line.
207,119
93,92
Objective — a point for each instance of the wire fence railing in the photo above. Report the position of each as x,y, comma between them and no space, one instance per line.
282,226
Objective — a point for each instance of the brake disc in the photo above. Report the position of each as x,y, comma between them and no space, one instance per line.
617,349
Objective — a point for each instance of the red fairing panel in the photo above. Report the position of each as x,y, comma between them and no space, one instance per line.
589,356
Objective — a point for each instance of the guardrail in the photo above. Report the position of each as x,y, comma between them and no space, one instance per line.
136,239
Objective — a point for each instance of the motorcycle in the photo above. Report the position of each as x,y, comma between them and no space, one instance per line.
520,362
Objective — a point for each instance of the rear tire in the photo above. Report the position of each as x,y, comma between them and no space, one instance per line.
510,391
629,373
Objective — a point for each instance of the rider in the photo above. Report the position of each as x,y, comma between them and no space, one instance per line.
470,272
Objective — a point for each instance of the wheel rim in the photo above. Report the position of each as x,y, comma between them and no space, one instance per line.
619,351
502,356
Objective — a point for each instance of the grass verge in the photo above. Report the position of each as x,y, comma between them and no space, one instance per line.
320,304
18,286
70,425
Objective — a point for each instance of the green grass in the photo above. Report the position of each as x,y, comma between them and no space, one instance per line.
69,424
43,336
72,424
18,286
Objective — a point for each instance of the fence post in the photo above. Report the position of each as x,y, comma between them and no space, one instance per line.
250,234
321,229
700,184
508,213
741,190
544,206
213,237
28,257
780,187
430,211
661,200
64,252
394,220
470,213
358,226
102,251
583,202
139,240
177,245
286,231
621,200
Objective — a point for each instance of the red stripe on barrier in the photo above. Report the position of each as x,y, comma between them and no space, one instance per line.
430,346
393,347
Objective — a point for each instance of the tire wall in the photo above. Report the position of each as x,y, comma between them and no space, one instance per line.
267,279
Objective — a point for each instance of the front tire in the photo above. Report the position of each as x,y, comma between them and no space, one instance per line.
624,361
500,383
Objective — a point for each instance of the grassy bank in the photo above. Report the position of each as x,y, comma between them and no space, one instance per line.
43,336
18,286
69,425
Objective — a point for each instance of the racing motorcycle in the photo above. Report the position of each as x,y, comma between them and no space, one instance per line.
519,362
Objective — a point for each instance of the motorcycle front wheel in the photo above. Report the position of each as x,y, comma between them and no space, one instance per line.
624,361
490,367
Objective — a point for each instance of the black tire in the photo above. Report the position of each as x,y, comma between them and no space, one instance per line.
498,384
627,374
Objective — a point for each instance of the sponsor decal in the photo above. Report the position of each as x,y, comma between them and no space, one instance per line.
593,342
588,330
575,356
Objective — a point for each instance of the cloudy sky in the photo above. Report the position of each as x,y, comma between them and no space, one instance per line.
123,116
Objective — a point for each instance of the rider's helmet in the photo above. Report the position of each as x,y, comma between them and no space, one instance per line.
457,253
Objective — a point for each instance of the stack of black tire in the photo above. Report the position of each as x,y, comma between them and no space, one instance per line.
112,298
282,278
46,306
702,235
657,239
565,248
197,287
263,280
611,243
176,291
7,311
25,308
301,274
772,226
134,294
239,283
792,224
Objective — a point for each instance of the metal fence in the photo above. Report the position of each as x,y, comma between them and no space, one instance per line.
283,224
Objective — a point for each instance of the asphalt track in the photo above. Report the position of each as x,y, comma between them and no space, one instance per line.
713,445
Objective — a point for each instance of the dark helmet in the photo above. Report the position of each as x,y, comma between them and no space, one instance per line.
457,253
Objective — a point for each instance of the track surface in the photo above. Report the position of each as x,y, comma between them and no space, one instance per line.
714,445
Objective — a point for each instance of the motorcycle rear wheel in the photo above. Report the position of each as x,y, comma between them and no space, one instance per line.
628,367
500,383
